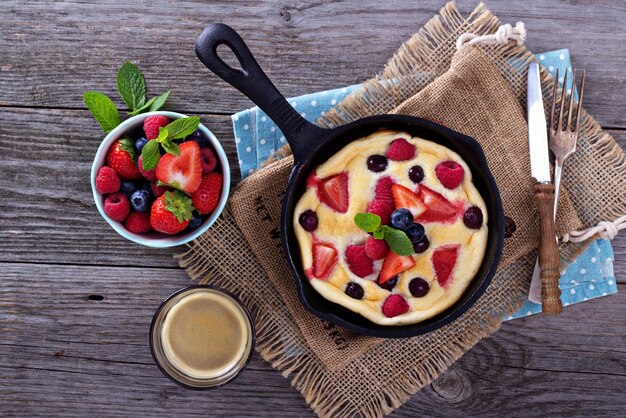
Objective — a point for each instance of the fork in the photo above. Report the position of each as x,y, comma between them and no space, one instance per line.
562,143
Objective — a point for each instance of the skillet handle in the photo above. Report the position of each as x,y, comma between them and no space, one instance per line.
302,135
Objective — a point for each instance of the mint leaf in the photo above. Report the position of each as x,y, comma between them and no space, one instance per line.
398,241
103,109
127,145
150,155
183,127
142,108
170,147
163,134
159,101
131,85
368,222
378,234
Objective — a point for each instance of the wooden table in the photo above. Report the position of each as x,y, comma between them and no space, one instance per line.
76,299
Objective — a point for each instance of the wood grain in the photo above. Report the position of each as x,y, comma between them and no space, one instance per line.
65,352
53,52
76,299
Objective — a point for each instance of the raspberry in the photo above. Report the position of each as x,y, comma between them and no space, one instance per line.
150,174
395,305
159,190
107,180
381,208
138,222
209,162
117,206
208,194
152,124
400,150
383,189
450,174
376,249
358,262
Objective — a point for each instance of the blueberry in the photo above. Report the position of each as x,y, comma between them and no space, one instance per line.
389,284
199,137
377,163
179,141
139,200
195,222
473,217
419,287
416,174
401,219
140,143
354,290
415,233
308,220
422,245
128,187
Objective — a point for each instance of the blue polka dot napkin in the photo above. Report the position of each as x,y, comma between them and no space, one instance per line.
257,138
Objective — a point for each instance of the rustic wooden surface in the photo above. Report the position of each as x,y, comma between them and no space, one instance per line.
76,300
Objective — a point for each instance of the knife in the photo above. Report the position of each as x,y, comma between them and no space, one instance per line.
549,259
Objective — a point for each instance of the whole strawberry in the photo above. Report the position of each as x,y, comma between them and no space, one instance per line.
171,212
208,194
152,124
121,161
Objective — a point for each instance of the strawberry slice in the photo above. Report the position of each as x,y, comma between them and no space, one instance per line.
444,260
183,171
333,191
405,198
324,259
394,264
439,208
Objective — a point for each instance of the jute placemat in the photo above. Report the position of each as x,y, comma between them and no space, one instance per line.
477,91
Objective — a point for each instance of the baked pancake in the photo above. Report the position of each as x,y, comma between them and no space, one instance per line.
391,227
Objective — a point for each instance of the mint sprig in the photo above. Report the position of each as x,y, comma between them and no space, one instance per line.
397,240
178,129
103,109
131,85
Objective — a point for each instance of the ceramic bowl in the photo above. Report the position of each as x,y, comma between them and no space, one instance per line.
152,238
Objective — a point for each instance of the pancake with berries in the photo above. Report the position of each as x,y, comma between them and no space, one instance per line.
391,227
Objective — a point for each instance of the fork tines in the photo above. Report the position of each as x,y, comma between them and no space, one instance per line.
559,126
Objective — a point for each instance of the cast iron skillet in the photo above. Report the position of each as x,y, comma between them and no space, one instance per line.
312,145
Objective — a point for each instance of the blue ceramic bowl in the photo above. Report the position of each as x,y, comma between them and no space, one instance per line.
152,238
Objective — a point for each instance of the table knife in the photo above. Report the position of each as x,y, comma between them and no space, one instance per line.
549,259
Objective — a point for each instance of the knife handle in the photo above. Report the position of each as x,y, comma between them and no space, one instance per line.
549,259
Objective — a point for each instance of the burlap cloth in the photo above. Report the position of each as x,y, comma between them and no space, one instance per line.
479,91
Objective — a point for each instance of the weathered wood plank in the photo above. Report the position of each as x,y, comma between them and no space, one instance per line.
63,352
85,43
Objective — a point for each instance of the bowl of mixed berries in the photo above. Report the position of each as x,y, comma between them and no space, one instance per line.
160,179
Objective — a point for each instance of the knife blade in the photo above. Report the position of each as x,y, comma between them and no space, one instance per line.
537,129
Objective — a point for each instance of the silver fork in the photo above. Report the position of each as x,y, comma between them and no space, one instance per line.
562,143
